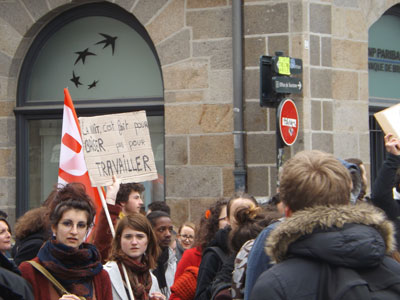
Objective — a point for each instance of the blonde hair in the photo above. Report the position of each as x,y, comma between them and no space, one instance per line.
313,178
187,224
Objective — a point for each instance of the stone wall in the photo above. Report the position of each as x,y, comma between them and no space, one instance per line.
193,41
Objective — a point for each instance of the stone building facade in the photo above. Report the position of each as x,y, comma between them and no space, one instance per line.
193,39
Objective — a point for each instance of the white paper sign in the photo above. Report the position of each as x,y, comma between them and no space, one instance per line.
118,144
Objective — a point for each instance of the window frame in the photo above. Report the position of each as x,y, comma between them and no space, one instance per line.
35,110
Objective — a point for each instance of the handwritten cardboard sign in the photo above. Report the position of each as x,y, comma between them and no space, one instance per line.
389,120
118,144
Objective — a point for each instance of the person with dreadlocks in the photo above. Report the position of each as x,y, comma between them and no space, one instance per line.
166,263
66,267
134,246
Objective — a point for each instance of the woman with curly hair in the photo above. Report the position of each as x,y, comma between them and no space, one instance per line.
66,267
32,230
135,247
212,220
217,252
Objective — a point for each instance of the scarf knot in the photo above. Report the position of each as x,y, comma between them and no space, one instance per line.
74,268
139,275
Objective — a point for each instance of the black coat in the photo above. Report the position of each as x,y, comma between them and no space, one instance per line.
28,247
8,264
210,265
14,287
382,191
316,239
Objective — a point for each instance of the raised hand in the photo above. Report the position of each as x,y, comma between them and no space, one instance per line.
112,191
392,144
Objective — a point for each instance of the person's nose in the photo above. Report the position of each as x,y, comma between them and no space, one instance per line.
168,233
74,229
134,241
141,201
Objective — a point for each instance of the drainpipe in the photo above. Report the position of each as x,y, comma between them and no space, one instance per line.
238,132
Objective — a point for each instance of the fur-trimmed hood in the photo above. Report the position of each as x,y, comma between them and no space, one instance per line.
346,235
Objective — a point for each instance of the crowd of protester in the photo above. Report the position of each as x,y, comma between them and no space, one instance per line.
320,237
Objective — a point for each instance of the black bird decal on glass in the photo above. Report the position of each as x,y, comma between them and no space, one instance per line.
75,79
109,40
93,84
82,55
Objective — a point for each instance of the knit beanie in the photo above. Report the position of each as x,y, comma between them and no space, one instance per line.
184,286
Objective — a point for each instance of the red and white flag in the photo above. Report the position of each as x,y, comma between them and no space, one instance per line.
72,167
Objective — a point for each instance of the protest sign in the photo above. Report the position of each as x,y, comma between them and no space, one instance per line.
118,144
389,120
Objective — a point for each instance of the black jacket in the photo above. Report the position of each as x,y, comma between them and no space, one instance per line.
304,245
382,191
28,247
8,264
210,265
14,287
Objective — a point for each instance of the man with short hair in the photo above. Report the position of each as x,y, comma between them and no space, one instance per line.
129,198
121,199
158,205
166,263
326,246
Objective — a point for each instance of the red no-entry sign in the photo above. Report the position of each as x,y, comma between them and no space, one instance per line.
288,121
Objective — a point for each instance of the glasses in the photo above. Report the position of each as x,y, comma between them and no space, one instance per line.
187,237
69,224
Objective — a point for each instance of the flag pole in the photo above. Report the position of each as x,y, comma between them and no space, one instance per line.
104,204
110,224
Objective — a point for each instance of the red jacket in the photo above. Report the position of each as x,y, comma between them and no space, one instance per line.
102,236
191,257
44,290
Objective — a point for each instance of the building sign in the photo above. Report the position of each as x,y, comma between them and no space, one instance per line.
118,144
384,60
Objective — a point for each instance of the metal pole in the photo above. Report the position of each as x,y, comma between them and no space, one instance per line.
238,131
279,143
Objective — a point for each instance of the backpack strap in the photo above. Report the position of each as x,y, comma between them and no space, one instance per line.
51,278
221,254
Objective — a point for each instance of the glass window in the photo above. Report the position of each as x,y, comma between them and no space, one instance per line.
384,58
44,152
97,58
107,60
383,78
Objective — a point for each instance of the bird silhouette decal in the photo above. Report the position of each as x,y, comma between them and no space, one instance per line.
82,55
93,84
108,41
75,79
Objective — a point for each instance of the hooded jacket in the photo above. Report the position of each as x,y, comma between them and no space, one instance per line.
304,245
